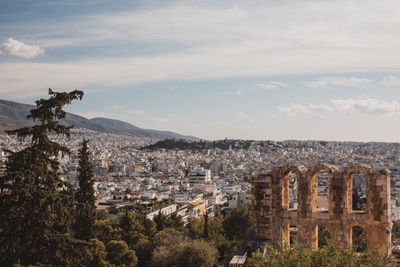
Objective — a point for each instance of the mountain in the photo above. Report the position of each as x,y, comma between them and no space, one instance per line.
13,115
136,131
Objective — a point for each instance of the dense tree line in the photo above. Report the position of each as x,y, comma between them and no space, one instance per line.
181,144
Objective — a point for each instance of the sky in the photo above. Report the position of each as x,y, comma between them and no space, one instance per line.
272,69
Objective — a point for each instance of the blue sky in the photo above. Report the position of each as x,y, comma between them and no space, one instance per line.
290,69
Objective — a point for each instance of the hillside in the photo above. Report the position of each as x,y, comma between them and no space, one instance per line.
136,131
200,145
13,115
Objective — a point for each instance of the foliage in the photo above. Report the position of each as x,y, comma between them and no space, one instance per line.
216,236
107,230
144,251
323,236
98,253
174,249
119,254
238,224
195,228
135,227
35,203
328,255
359,239
199,145
101,215
163,221
85,206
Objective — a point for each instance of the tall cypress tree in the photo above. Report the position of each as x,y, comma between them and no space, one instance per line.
35,204
85,206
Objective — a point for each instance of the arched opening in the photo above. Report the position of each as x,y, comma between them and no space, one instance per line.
293,234
323,236
293,189
359,239
359,192
322,191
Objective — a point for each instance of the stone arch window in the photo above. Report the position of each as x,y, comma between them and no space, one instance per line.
323,235
294,233
289,235
293,191
359,191
290,198
357,177
358,238
321,177
322,190
291,181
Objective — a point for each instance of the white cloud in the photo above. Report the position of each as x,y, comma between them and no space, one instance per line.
294,109
242,117
390,81
271,85
212,39
17,48
339,82
369,106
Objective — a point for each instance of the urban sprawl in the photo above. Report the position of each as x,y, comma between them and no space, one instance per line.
195,182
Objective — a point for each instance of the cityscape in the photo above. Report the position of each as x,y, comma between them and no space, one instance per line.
209,181
199,133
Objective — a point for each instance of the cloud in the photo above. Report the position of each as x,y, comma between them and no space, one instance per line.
271,85
241,117
294,109
238,92
339,82
390,81
370,106
19,49
193,40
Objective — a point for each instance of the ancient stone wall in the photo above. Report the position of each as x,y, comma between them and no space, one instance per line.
274,218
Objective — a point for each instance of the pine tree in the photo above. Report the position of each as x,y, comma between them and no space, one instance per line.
35,204
85,206
205,232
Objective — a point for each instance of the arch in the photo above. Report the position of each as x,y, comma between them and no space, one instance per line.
324,235
293,234
363,168
300,172
358,238
348,176
330,169
319,234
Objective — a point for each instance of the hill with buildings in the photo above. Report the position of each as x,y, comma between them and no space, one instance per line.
13,115
199,145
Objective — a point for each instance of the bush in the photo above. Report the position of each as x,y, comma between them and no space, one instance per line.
328,255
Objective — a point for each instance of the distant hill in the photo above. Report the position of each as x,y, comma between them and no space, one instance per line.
200,145
13,115
136,131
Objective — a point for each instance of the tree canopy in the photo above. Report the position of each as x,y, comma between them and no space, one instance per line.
36,205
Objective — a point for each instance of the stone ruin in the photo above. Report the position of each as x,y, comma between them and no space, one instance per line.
273,217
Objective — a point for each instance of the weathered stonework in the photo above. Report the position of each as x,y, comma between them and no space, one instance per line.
270,202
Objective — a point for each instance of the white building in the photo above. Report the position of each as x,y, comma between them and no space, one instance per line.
199,176
239,199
